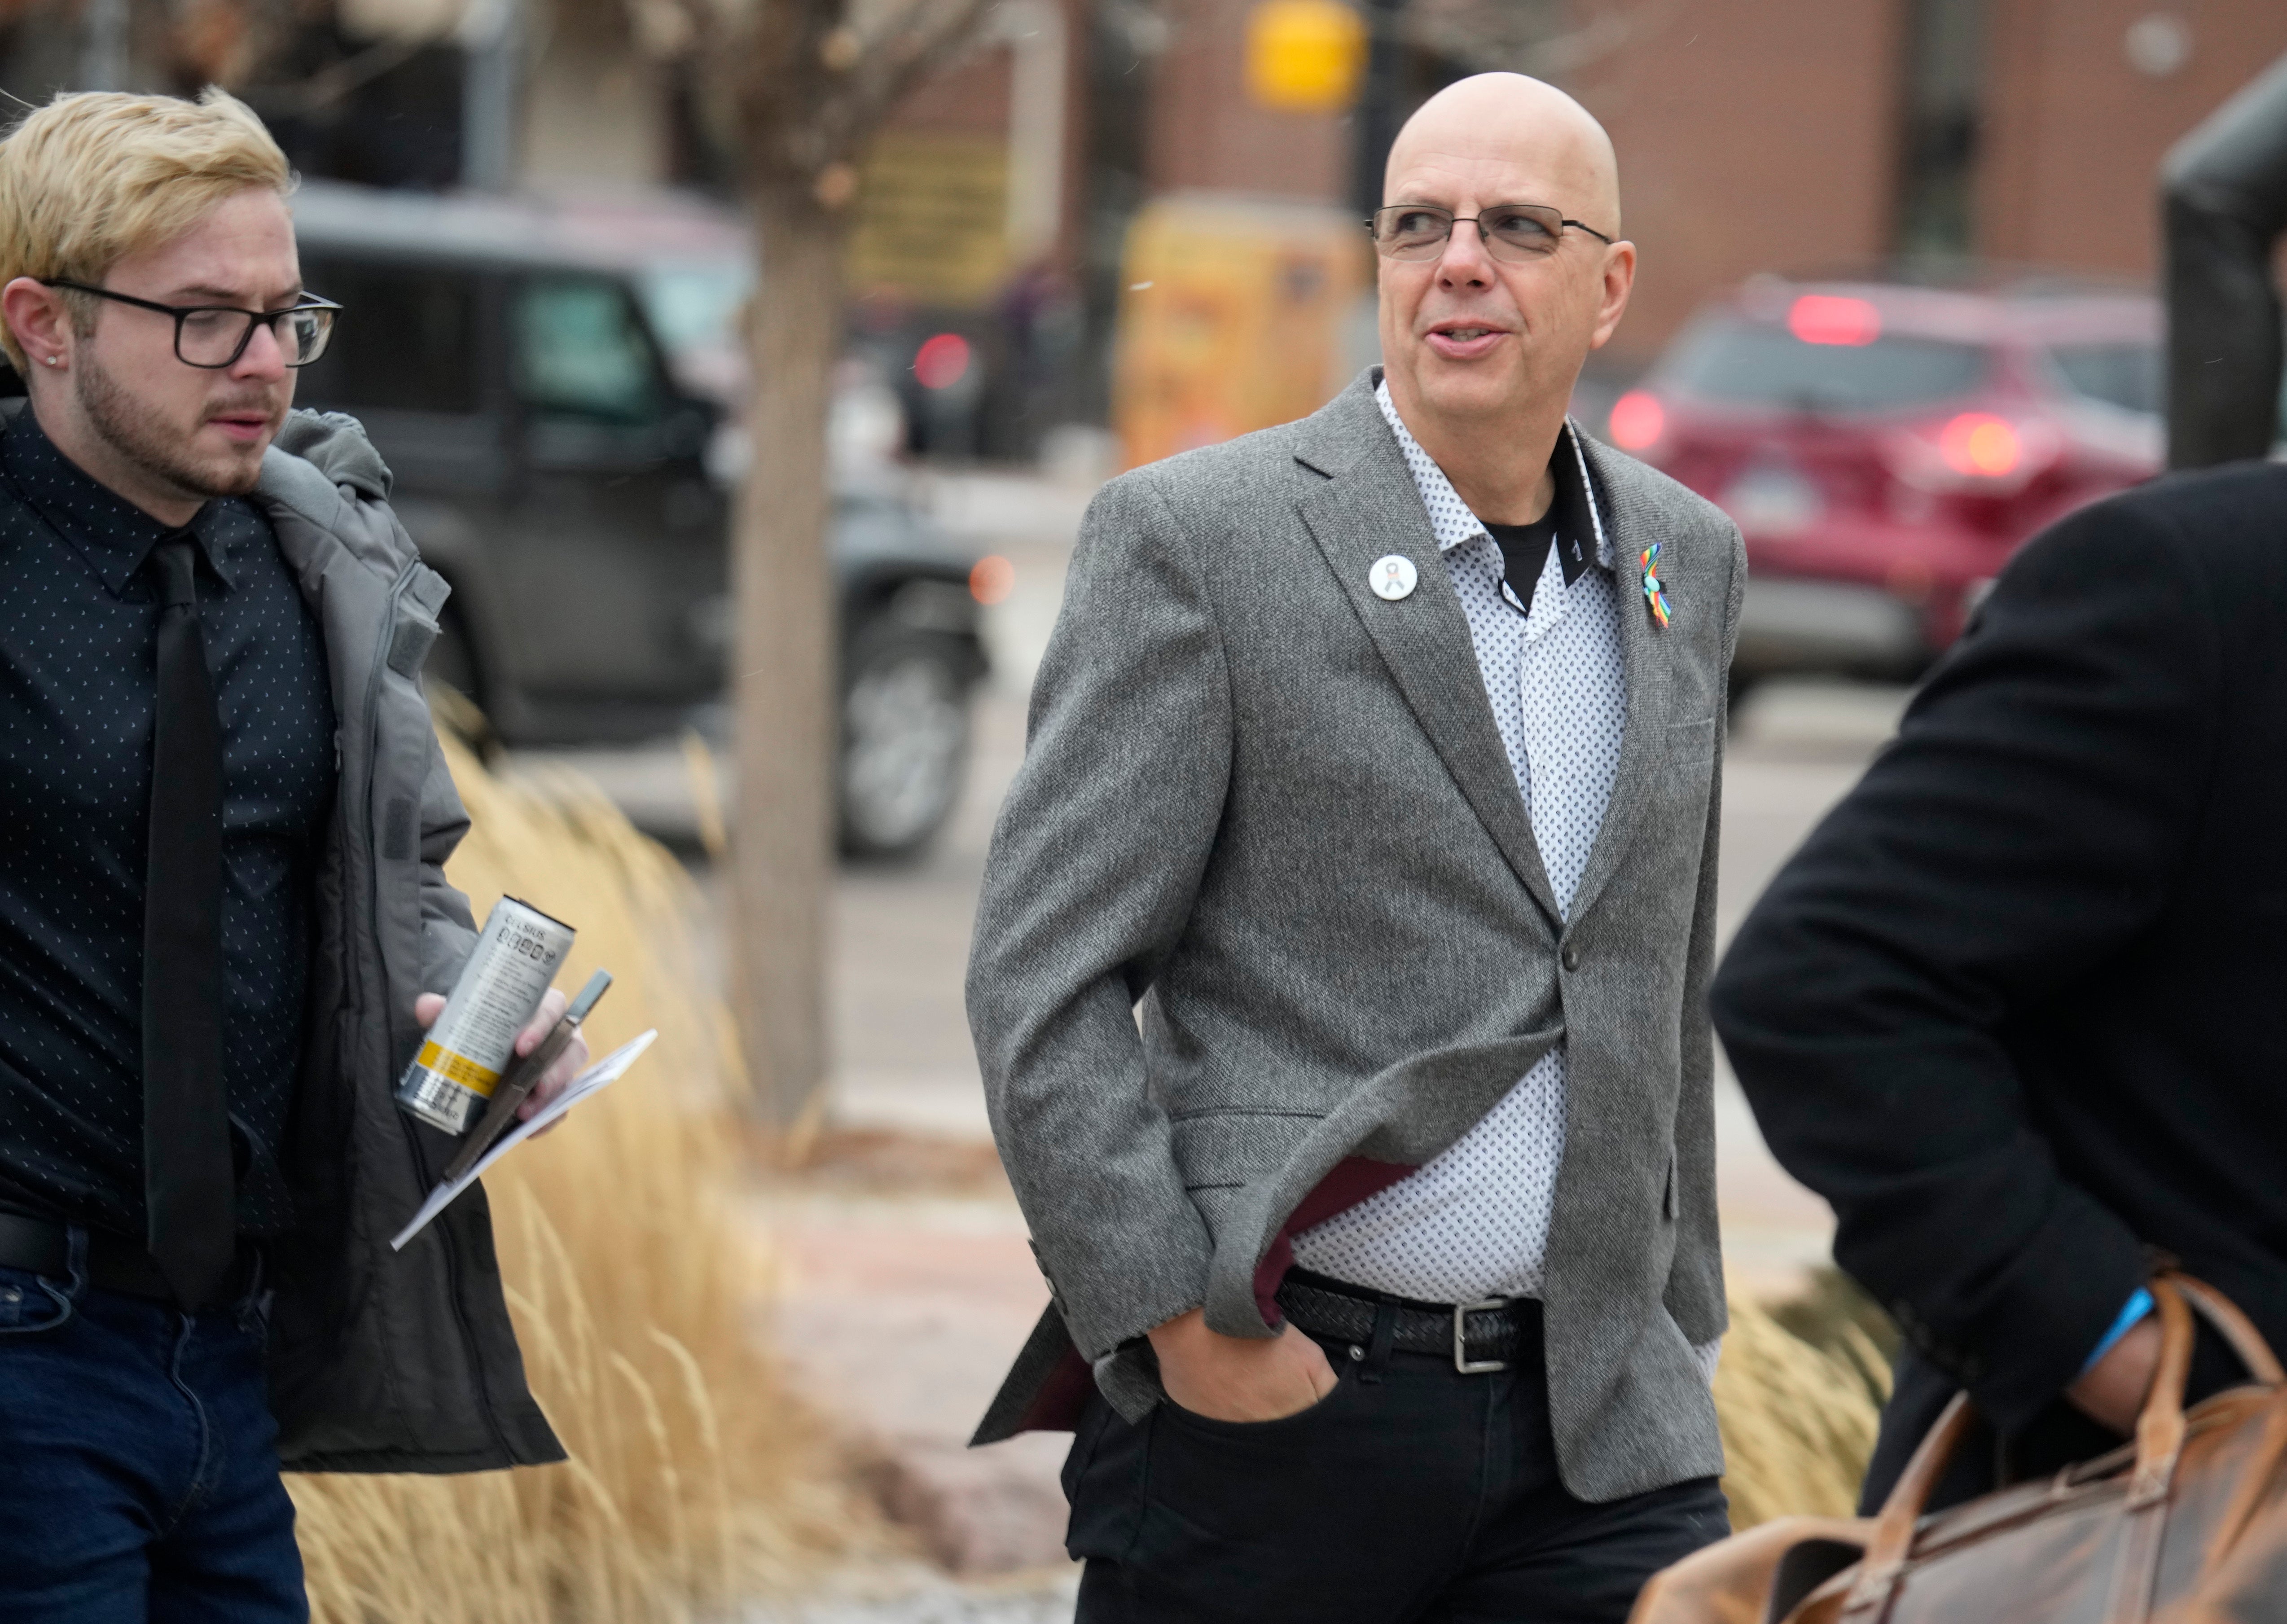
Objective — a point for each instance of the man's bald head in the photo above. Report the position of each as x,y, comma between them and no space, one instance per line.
1517,122
1483,339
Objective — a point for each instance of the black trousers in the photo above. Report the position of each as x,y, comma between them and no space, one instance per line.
1411,1493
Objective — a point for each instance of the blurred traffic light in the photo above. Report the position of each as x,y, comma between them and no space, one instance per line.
1305,56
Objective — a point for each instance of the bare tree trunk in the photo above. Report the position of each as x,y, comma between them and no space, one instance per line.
807,92
782,846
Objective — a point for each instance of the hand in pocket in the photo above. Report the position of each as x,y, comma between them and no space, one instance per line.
1239,1378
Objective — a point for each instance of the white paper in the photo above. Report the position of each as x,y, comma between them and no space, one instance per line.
597,1077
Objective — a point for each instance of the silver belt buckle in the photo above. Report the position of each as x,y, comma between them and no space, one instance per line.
1462,1362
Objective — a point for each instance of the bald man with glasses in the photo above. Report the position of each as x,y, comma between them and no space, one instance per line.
1339,978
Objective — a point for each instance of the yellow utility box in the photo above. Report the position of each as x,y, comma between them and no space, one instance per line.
1239,313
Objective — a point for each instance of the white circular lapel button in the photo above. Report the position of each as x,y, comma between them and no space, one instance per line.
1392,576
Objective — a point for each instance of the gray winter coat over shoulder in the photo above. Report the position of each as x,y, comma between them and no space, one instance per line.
380,1361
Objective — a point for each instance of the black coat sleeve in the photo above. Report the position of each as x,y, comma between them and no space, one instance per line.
2026,824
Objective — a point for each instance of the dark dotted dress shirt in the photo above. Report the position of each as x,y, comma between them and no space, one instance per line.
79,618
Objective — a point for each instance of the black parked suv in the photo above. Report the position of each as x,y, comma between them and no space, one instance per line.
546,381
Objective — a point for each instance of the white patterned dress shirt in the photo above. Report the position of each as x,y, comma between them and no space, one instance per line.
1472,1223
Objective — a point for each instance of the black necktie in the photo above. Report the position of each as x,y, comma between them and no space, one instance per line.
187,1181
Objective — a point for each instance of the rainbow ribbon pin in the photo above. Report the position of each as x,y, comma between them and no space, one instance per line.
1655,594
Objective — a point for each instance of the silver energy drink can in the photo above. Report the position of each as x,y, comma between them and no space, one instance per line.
475,1038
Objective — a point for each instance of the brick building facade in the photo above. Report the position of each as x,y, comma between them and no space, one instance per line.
1779,134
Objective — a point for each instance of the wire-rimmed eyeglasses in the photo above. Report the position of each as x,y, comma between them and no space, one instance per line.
214,336
1511,232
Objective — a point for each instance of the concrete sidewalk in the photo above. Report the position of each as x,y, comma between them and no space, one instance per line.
916,1594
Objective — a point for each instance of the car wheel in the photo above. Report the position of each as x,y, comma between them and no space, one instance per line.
905,741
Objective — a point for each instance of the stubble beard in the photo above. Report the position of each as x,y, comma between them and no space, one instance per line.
139,433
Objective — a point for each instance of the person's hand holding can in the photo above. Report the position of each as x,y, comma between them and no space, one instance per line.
558,1076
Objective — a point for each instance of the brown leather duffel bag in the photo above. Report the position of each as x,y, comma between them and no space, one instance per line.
2187,1524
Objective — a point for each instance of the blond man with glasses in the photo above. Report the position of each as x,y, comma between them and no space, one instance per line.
224,920
1340,971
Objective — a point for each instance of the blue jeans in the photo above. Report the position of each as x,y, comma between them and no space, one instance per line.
138,1471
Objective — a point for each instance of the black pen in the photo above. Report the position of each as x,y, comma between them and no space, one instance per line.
520,1077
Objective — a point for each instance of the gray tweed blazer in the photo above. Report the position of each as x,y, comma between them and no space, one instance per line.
1264,896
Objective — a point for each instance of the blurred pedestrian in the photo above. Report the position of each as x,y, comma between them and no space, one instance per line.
1338,977
2012,1008
223,917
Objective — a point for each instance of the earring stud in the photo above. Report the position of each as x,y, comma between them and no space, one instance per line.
54,361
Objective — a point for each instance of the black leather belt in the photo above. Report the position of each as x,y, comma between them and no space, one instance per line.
1480,1336
113,1263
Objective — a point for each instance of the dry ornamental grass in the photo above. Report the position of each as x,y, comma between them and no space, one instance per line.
1798,1421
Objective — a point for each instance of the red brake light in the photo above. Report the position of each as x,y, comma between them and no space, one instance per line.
991,579
1826,318
1638,420
1981,446
941,361
1980,454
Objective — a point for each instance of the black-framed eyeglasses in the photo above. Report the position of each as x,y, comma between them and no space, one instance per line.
214,336
1511,232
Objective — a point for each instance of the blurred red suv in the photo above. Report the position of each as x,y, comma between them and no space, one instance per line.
1885,446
